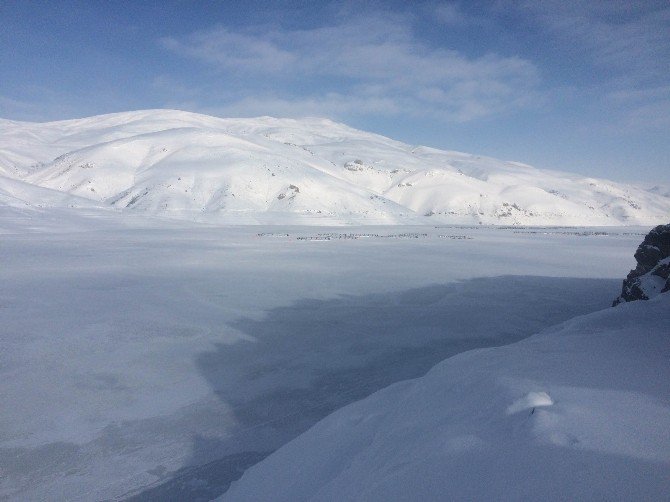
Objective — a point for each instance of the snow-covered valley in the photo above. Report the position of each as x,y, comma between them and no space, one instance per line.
158,359
284,171
185,298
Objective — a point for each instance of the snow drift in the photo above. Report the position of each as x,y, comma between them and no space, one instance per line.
267,170
580,411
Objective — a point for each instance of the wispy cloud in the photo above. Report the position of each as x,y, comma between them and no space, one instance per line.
233,51
627,50
628,40
330,104
370,64
450,14
647,108
53,108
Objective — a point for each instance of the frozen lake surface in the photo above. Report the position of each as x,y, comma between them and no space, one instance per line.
155,360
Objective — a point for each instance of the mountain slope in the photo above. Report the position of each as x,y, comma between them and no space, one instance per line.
580,411
277,170
21,195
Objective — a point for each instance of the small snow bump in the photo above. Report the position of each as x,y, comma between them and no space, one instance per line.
531,400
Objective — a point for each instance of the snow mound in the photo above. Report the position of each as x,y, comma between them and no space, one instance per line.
531,400
580,411
197,167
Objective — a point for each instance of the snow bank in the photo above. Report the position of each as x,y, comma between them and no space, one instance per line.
580,411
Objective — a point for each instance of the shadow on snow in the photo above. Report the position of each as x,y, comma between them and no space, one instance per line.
306,360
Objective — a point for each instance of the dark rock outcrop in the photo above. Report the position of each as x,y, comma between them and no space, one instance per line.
652,274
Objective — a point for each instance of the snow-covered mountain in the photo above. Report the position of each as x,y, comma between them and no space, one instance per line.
187,165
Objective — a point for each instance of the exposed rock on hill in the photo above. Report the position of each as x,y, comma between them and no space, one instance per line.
652,274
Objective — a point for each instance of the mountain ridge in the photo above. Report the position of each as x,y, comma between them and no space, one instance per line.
271,170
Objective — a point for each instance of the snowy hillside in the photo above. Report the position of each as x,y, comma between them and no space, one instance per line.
19,194
267,170
578,412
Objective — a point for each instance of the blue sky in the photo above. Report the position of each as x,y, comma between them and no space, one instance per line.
573,85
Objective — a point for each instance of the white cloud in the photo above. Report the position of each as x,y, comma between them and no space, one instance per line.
373,64
232,51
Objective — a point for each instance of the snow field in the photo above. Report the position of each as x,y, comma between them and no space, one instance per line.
140,353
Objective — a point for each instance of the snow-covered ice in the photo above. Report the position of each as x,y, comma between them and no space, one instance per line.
143,356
